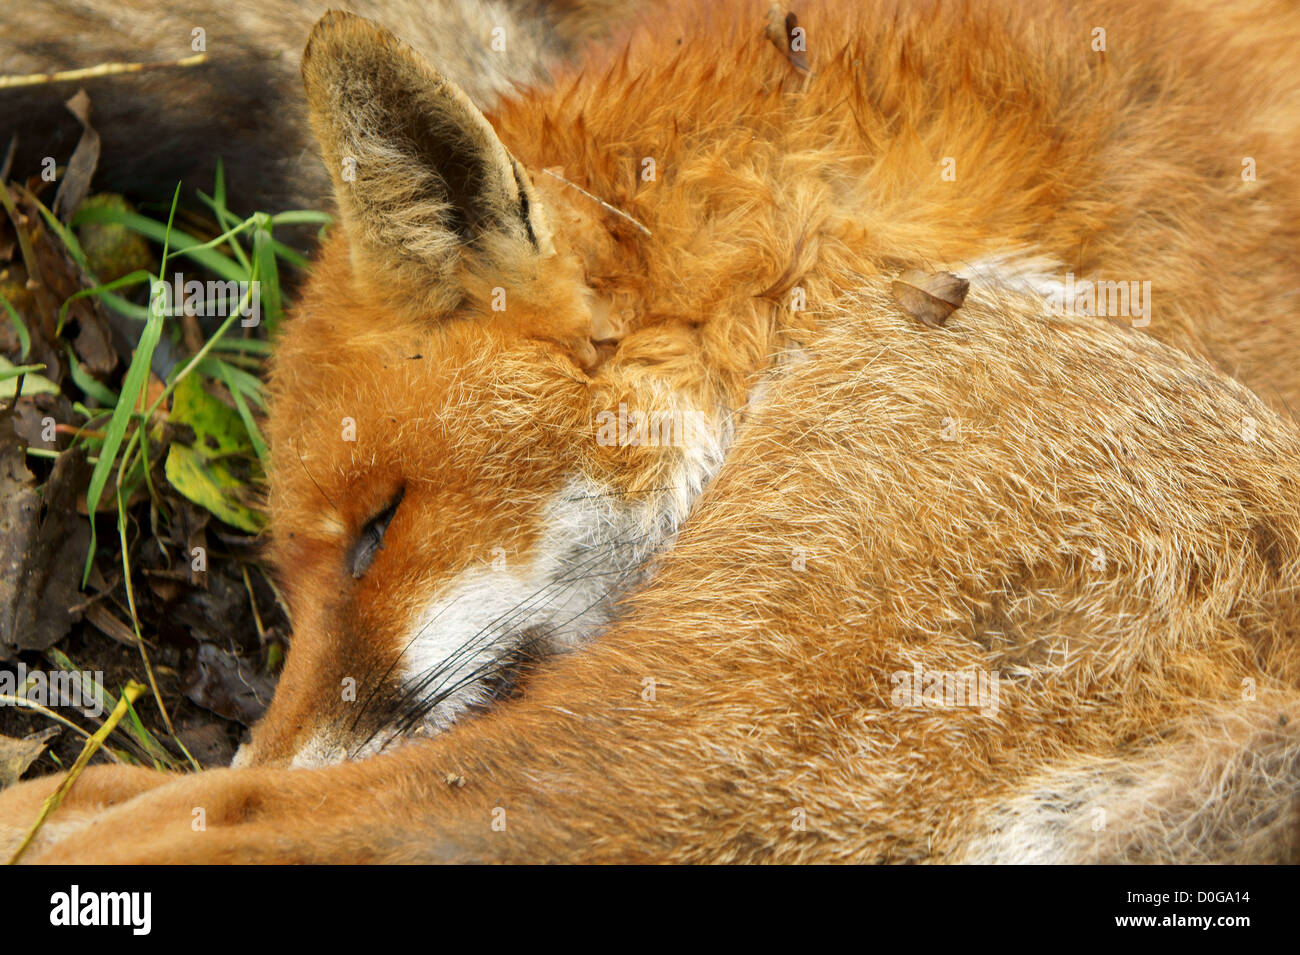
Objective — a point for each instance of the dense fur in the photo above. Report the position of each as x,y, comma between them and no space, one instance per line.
1092,513
772,686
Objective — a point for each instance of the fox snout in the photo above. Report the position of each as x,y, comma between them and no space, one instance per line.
320,715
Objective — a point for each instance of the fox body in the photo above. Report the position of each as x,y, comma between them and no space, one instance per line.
1014,589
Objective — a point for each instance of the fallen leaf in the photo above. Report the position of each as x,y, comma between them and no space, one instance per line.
57,277
930,297
781,27
153,389
33,384
32,414
106,623
204,470
220,682
18,754
40,556
221,597
81,167
112,250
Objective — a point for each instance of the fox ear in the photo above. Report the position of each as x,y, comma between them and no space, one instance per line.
423,183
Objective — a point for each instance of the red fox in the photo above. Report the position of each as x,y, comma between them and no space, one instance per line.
621,368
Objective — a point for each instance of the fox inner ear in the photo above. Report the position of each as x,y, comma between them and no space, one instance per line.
421,179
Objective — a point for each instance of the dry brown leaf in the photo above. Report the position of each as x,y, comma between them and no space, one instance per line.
106,623
930,297
222,683
18,754
151,393
81,167
780,30
42,545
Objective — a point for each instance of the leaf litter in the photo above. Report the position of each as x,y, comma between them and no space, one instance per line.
179,514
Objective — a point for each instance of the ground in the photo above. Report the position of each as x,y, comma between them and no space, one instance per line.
152,415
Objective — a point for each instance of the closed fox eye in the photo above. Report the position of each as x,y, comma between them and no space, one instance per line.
371,538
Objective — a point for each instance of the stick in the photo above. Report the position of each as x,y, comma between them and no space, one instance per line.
617,212
90,72
129,696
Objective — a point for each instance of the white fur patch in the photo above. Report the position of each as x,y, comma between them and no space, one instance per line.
316,752
1016,271
1225,791
593,546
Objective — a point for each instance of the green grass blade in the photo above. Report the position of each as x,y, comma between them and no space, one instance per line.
225,373
83,380
24,337
185,244
266,271
282,251
254,345
137,376
18,371
301,217
225,218
134,278
252,386
132,386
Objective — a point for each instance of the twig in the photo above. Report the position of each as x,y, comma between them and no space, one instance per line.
9,700
24,240
135,623
90,72
252,602
279,597
594,198
9,157
129,696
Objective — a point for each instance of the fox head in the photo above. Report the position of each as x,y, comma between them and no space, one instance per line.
442,509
